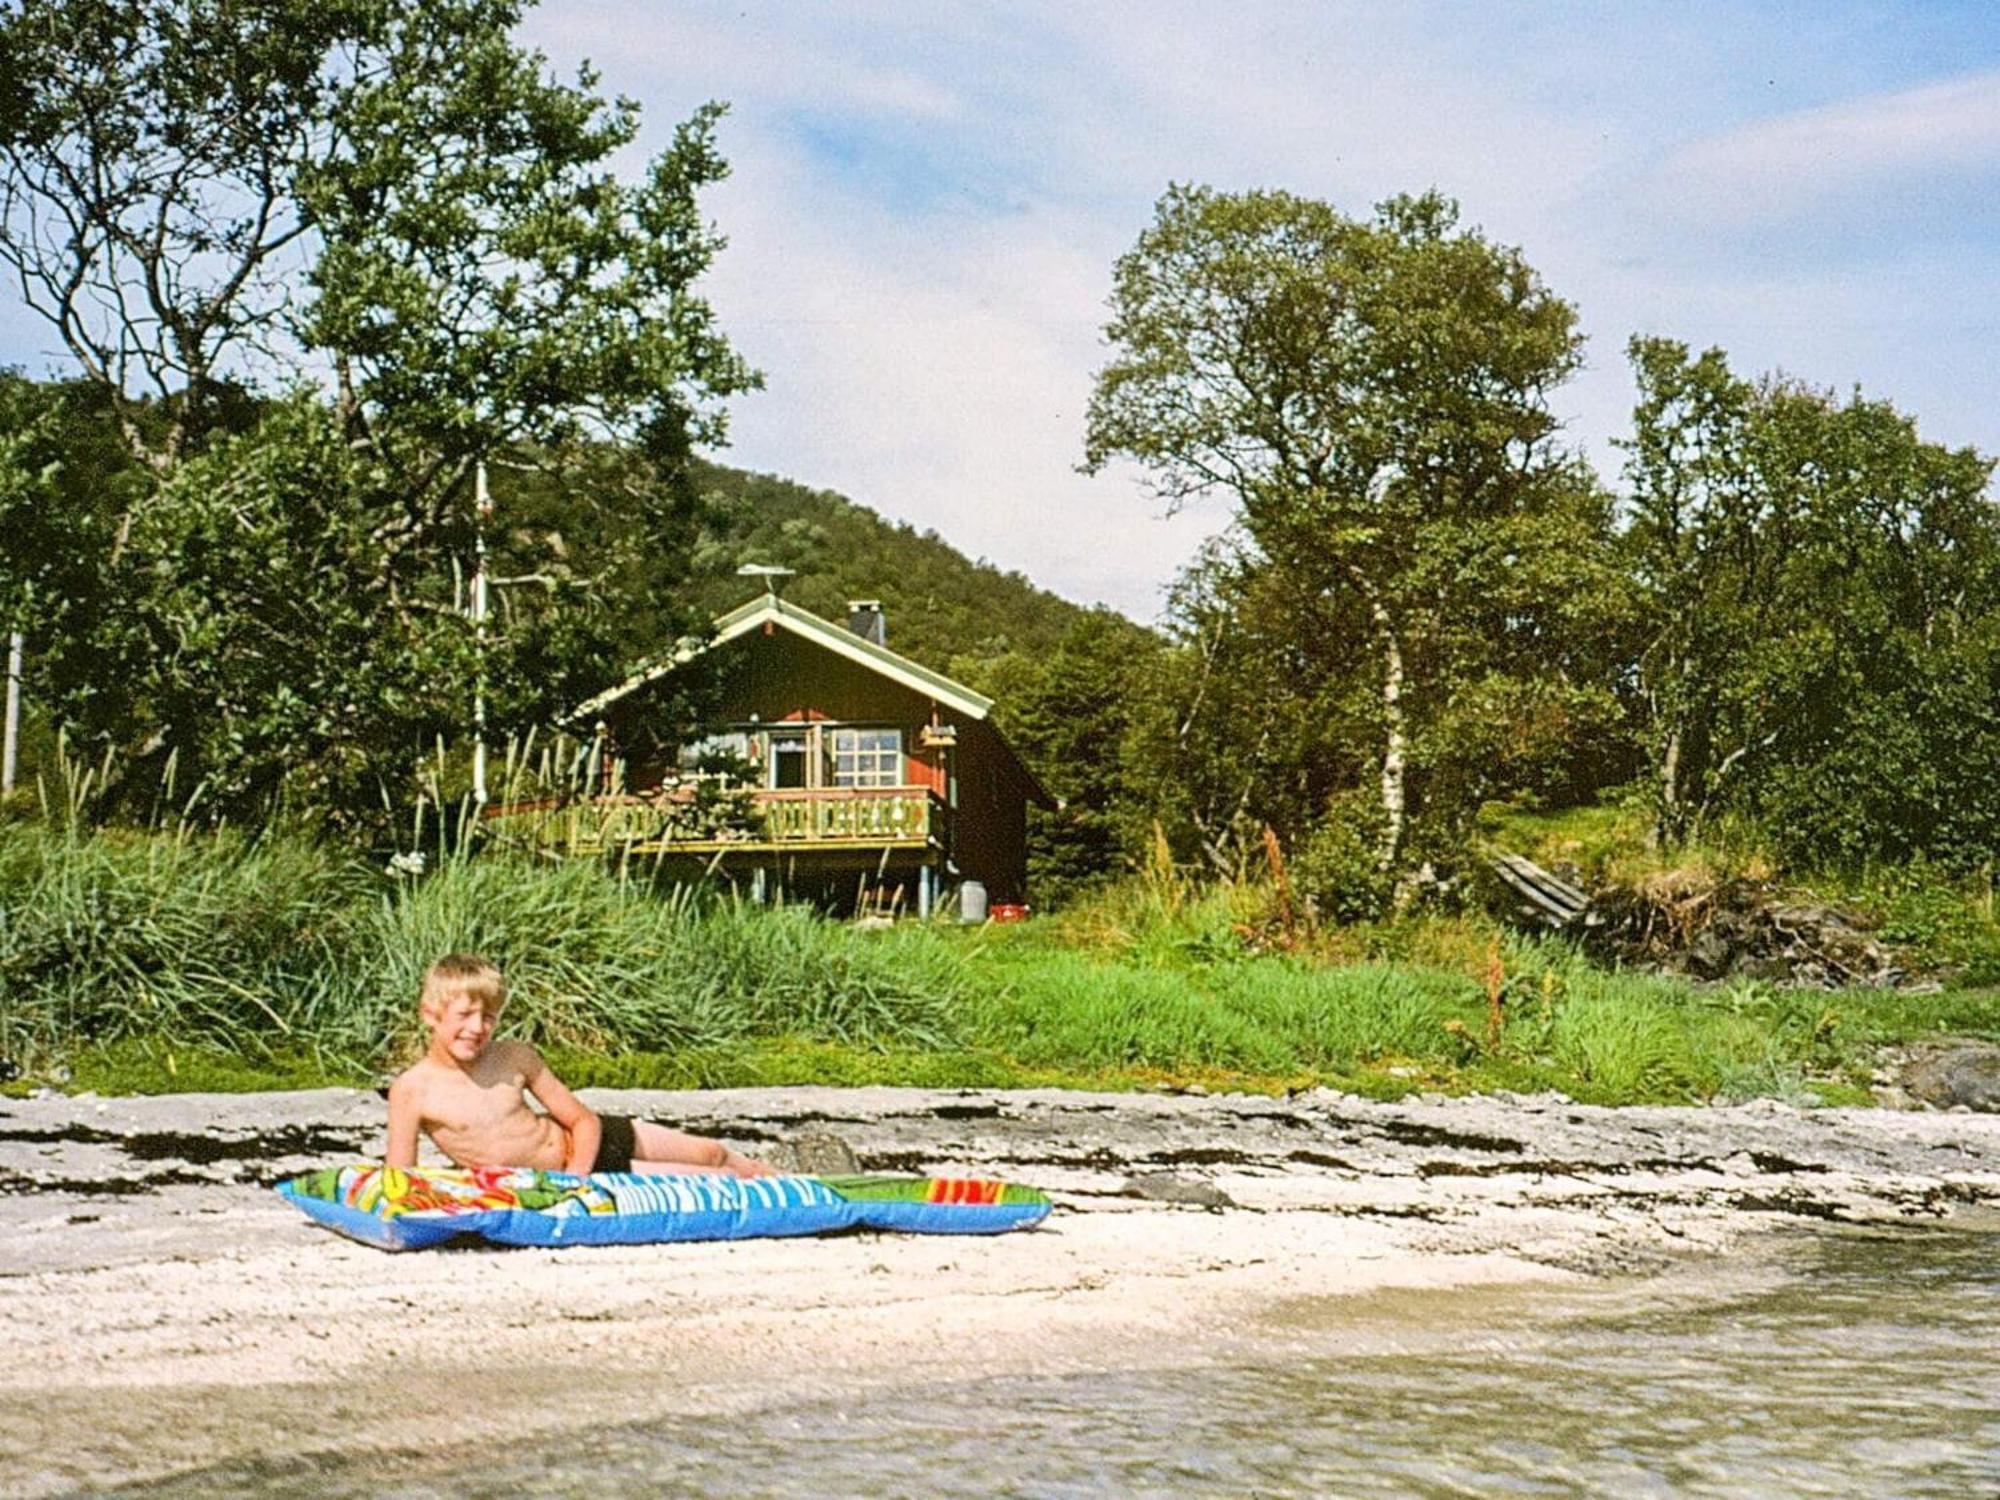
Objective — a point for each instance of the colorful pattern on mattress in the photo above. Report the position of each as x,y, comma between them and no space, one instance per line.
399,1210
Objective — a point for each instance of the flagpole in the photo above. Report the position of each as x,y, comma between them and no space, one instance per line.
483,504
10,752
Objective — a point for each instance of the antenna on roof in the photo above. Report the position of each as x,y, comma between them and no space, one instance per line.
772,575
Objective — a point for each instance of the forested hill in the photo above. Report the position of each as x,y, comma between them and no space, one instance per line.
942,606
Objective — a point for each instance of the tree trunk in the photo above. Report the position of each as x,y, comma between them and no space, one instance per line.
1395,741
1669,827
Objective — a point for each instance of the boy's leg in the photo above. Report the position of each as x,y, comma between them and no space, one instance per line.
656,1148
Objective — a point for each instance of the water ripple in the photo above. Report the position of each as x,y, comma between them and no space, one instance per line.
1868,1369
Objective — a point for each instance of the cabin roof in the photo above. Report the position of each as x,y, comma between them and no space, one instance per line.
770,609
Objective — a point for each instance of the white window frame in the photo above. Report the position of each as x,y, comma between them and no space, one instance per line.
864,756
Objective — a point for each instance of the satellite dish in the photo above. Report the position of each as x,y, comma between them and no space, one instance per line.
770,573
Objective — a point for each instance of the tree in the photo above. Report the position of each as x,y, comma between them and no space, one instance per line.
1073,713
1236,735
1821,598
218,203
147,157
177,172
1373,398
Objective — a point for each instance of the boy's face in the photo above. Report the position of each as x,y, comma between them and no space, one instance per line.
459,1024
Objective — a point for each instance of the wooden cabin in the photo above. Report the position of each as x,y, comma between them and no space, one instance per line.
856,777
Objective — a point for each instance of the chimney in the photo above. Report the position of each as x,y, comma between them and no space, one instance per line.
865,619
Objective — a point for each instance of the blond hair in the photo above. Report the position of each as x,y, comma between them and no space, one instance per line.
463,974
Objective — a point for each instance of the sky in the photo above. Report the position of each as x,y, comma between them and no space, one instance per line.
926,202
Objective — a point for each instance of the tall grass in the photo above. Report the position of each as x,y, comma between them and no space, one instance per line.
1270,1016
281,946
114,935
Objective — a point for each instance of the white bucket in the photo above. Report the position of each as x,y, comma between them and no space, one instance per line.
972,901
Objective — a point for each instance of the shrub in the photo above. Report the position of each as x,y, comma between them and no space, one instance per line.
1337,866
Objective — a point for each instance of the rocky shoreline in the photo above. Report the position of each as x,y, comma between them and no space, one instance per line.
163,1310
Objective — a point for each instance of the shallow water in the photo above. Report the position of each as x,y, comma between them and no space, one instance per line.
1846,1364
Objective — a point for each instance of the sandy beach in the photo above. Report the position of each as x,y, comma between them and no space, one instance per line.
164,1311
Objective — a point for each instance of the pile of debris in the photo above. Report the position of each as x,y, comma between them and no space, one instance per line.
1685,924
1737,929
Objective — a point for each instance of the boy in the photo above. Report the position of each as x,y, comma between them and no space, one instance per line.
469,1094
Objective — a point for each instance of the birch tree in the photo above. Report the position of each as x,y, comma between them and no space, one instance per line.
1371,396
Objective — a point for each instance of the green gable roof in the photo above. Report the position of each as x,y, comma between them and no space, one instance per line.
769,609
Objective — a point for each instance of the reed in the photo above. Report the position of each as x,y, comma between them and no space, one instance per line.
280,946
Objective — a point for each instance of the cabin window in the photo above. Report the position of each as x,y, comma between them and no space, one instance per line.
866,757
717,750
800,757
789,758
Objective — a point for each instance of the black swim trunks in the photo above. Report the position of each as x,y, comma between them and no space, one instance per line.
614,1147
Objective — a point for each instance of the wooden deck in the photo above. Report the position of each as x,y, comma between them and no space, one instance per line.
863,820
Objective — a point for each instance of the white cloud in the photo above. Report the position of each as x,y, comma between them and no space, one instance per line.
1780,168
939,374
934,361
768,55
1347,102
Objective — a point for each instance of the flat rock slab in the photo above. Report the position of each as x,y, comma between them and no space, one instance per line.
1167,1187
134,1162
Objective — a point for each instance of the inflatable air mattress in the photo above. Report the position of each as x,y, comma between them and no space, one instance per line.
394,1209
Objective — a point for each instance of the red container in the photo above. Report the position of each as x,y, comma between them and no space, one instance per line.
1008,911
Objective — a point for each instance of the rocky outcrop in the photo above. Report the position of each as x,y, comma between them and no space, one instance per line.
1468,1162
1955,1072
815,1153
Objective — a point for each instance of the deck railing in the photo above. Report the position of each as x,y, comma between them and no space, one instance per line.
793,818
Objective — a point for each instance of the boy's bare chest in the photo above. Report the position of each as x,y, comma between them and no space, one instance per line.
470,1102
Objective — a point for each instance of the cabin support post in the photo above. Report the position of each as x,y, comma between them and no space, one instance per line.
926,880
759,885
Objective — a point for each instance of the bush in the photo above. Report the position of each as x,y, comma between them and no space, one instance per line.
1337,866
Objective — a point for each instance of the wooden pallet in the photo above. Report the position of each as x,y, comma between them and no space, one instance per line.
1547,899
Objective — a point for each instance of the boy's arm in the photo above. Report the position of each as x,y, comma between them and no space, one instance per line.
581,1128
405,1116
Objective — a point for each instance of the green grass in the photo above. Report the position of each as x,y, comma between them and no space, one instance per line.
143,963
1611,840
1597,1035
136,1066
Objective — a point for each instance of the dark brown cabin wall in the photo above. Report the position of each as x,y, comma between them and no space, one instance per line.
991,823
779,677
